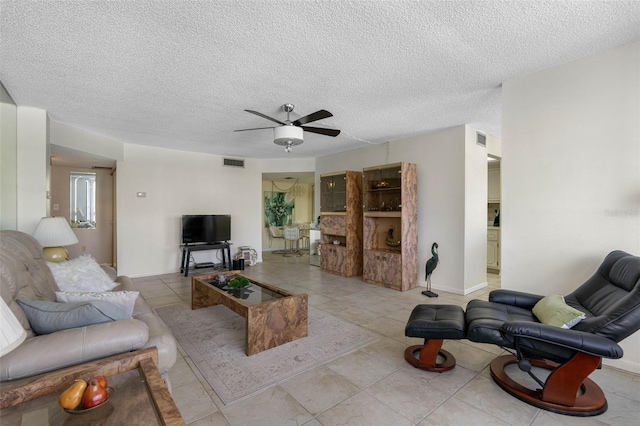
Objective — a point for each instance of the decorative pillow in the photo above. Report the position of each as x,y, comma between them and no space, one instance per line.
81,274
552,310
47,317
125,300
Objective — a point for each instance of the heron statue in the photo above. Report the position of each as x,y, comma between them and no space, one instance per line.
431,265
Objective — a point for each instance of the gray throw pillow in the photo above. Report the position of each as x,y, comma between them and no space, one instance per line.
47,317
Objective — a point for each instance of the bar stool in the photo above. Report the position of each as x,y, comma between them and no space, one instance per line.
304,237
291,235
275,233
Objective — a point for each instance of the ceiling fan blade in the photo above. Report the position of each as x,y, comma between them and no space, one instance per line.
265,116
255,128
318,115
321,131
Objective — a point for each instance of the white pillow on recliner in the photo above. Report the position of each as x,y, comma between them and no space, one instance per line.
81,274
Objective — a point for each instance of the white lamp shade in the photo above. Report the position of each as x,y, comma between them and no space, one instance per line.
287,135
54,232
11,332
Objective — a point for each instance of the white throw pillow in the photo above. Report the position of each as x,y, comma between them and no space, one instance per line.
123,299
81,274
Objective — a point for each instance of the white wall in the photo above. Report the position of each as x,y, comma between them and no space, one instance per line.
444,187
8,162
475,212
281,165
181,183
32,167
177,183
571,174
440,158
81,140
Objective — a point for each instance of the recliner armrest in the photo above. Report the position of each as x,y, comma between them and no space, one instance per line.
515,298
573,339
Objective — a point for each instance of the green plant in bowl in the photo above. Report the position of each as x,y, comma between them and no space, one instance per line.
239,282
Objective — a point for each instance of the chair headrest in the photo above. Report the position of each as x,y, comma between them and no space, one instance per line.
625,273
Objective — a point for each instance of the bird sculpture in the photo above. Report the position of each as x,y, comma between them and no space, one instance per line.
431,265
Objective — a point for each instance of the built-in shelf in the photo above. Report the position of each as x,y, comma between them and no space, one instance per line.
390,225
341,220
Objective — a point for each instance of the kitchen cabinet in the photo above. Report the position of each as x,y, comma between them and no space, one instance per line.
341,222
493,249
494,188
390,236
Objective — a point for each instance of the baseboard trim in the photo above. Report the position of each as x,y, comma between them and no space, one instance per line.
475,288
622,364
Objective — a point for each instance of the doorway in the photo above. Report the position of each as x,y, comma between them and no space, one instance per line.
288,200
83,192
494,229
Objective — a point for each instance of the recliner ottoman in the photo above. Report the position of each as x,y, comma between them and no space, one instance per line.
434,323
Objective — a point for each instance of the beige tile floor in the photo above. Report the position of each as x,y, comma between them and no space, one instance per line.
373,385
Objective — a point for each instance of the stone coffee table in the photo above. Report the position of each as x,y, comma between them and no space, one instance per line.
274,316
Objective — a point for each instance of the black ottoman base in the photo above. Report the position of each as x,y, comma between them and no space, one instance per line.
425,356
434,323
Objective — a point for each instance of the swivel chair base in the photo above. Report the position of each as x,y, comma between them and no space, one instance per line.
427,359
560,392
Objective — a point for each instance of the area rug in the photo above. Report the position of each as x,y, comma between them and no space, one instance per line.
214,340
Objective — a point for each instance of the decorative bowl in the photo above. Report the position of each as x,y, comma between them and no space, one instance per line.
80,410
336,242
393,243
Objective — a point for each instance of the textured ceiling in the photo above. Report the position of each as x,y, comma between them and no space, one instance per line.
178,74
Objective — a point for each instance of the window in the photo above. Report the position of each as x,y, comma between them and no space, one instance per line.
83,200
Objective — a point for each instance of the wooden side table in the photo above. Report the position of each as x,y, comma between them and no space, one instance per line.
140,395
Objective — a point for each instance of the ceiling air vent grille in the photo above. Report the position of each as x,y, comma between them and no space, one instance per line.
482,139
232,162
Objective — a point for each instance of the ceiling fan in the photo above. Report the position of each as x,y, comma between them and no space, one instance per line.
289,133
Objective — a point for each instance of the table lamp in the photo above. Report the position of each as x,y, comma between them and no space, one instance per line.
11,332
53,233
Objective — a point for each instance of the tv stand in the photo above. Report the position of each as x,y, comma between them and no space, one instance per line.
186,255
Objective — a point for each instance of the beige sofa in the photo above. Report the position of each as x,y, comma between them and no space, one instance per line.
24,274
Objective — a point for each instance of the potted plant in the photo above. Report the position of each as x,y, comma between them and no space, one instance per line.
239,287
239,282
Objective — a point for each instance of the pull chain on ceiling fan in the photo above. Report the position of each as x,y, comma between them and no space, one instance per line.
289,133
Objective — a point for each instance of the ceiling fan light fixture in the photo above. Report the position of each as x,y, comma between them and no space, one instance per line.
288,136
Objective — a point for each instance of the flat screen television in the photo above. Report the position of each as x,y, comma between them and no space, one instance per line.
206,228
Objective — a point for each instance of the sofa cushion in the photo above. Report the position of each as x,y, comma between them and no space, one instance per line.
48,317
125,300
73,346
81,274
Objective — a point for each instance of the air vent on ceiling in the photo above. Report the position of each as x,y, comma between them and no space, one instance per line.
232,162
482,139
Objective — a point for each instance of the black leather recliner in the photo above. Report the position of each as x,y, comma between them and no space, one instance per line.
611,301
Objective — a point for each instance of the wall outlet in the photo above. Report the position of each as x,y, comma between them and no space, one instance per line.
56,207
